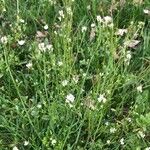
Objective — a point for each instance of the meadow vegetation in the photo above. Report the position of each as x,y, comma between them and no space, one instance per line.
74,75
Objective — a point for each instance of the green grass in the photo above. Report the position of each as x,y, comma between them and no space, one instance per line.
78,90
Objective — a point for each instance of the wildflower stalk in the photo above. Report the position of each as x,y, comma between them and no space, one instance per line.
17,10
67,29
19,95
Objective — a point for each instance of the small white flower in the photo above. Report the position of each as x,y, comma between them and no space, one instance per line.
39,106
4,9
26,143
70,98
84,29
128,56
99,18
108,19
49,47
29,65
131,43
139,88
15,148
60,63
147,148
55,32
93,25
53,141
101,98
61,13
22,21
45,27
76,78
141,134
121,32
42,47
113,130
69,11
4,40
141,23
21,42
64,83
122,141
88,7
146,11
101,74
129,119
108,91
84,74
107,123
108,141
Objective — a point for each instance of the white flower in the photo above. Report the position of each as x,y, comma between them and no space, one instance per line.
39,106
45,27
52,2
61,13
84,74
113,130
88,7
141,23
21,42
76,78
15,148
129,119
22,21
69,11
42,47
139,88
70,98
108,141
29,65
122,141
147,148
121,32
108,19
108,91
101,98
55,32
49,47
53,141
146,11
107,123
99,18
64,83
141,134
60,63
4,9
26,143
131,43
92,25
128,56
84,28
4,40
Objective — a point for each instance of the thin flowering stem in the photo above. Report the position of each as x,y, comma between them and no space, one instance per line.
17,11
17,90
